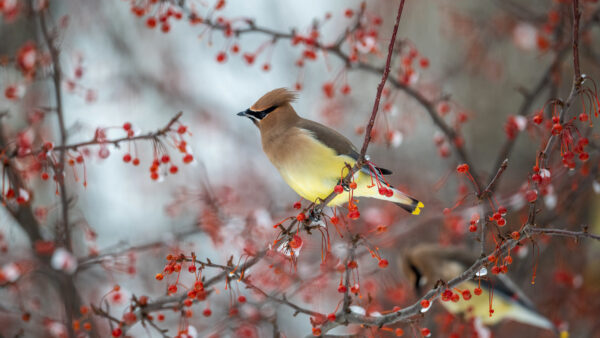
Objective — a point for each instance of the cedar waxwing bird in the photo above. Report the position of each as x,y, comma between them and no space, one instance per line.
311,157
426,264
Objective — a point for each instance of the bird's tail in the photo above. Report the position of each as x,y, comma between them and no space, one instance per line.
406,202
372,184
399,198
528,316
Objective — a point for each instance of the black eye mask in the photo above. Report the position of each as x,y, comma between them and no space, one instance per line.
258,115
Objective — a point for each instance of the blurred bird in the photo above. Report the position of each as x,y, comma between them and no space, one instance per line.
426,264
311,157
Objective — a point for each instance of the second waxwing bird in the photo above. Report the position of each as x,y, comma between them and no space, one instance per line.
426,264
311,157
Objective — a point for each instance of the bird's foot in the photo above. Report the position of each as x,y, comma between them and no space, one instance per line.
343,184
314,215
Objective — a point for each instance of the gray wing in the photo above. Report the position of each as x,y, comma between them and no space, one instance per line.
335,141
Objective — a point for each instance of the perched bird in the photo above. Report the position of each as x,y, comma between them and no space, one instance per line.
311,157
426,264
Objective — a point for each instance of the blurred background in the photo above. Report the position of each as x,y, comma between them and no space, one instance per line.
482,60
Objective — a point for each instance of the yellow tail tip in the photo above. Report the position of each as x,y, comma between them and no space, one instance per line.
418,208
564,334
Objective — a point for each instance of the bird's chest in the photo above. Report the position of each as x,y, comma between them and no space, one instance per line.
308,166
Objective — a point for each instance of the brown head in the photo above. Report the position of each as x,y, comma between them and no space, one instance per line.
272,109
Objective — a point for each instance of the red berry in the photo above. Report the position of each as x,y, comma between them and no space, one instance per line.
399,332
242,299
301,217
159,276
583,117
165,28
443,108
425,332
249,58
136,161
352,185
501,222
207,312
502,210
515,235
316,331
477,291
172,288
188,158
331,317
45,176
472,228
297,205
346,89
556,129
466,294
341,288
173,169
117,332
154,176
425,303
181,129
296,242
538,119
349,13
424,62
354,215
531,195
383,263
126,158
462,168
328,89
151,22
338,189
221,57
266,67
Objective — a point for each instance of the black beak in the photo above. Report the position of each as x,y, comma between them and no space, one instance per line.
243,113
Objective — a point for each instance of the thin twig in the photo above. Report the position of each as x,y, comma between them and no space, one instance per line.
384,77
489,190
565,233
57,81
576,17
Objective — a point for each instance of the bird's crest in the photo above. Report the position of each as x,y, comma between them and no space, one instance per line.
275,98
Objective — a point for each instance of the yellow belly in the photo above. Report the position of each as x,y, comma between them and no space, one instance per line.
314,169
